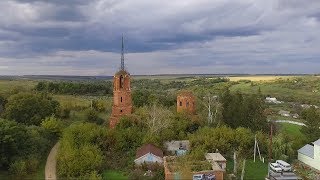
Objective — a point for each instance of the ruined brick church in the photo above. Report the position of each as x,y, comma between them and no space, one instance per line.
122,103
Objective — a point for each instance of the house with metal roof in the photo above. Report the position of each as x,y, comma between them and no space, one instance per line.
310,154
148,153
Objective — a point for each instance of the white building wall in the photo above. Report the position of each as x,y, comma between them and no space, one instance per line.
317,152
148,158
315,163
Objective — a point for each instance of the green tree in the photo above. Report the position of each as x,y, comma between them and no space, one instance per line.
80,152
30,109
282,147
19,142
93,117
12,139
53,126
311,118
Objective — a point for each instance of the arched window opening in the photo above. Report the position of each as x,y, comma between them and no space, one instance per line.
121,99
121,110
180,103
121,81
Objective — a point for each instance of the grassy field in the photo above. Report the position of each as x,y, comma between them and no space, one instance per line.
10,85
291,129
255,170
276,90
113,175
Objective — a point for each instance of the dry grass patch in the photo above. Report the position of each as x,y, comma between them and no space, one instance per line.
259,78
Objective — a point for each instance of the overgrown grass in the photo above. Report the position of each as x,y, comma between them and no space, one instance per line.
113,175
38,175
253,170
7,86
256,170
291,129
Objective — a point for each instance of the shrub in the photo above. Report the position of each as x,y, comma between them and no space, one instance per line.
18,168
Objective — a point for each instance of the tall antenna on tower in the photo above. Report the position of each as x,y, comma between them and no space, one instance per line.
122,55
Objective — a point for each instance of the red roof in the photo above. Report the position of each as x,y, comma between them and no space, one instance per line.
149,148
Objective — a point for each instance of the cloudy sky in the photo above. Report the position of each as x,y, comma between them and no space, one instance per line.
83,37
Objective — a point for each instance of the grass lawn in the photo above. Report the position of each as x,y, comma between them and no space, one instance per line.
291,129
255,170
110,175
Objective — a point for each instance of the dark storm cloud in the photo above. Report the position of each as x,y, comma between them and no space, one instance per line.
177,36
58,2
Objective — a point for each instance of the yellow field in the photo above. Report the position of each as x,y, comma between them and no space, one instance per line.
259,78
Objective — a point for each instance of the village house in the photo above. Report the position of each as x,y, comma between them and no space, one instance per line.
148,153
310,155
177,148
272,100
217,160
284,113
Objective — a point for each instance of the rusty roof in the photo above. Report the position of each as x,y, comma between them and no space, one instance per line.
149,148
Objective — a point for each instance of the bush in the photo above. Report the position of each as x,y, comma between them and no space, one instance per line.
92,117
32,164
18,168
64,113
53,126
30,109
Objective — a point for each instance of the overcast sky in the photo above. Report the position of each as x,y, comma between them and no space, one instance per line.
83,37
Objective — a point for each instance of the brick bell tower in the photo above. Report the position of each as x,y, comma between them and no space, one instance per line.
122,103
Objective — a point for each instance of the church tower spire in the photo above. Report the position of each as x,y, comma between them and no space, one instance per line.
122,103
122,55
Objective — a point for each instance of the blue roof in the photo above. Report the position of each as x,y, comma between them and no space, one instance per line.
307,150
317,142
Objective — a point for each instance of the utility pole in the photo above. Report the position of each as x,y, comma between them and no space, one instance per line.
270,149
235,162
256,147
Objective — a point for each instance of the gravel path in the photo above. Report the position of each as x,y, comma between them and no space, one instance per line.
50,170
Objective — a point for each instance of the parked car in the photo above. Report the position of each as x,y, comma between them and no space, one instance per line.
210,177
284,165
275,167
204,177
198,177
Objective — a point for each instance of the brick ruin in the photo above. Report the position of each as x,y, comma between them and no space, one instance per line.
122,103
186,102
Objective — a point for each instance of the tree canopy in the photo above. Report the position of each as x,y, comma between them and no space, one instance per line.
29,108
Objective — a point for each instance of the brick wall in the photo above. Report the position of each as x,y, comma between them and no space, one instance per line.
186,102
122,102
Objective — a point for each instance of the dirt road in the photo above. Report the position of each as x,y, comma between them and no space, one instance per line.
50,170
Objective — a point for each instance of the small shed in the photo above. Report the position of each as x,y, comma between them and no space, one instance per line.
148,153
177,147
217,160
284,113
